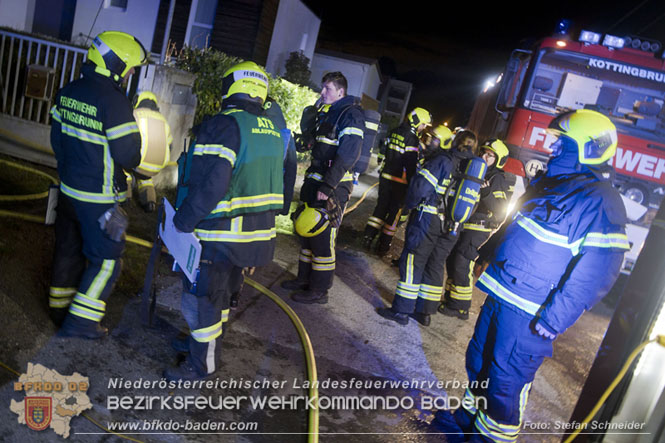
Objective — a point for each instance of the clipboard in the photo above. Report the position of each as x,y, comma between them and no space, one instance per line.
183,246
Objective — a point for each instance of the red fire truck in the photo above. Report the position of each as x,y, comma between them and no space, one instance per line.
620,77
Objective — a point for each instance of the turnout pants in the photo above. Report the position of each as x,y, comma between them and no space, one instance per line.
386,213
420,282
505,354
86,261
205,306
316,262
459,269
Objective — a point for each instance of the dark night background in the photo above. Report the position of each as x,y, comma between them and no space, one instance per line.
449,49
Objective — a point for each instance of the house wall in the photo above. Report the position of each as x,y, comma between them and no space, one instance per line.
138,19
362,77
17,14
296,29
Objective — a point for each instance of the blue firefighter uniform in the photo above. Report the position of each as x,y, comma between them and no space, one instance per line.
339,137
401,160
428,241
489,214
94,136
235,189
558,256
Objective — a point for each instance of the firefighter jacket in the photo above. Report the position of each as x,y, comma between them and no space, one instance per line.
563,249
339,138
156,140
426,191
94,137
235,186
491,209
401,154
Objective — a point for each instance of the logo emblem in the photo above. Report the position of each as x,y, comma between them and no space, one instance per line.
38,412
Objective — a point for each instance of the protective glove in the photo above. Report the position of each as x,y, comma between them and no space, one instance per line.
334,210
544,330
114,222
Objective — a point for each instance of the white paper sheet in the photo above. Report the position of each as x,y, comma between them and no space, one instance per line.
183,246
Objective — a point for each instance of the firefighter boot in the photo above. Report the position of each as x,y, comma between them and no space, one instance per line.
233,302
444,422
383,245
367,242
310,297
423,319
399,317
459,313
77,327
294,285
184,371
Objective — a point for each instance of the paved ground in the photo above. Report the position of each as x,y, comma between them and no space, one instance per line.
352,344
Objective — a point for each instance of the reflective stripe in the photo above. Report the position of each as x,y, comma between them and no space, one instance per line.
372,126
394,178
315,176
596,239
505,294
429,177
236,237
500,432
218,150
411,149
541,233
428,209
476,227
89,302
327,141
408,289
92,197
85,313
249,202
122,130
55,114
60,297
397,148
101,279
225,315
305,256
84,135
429,292
469,402
499,194
205,335
375,222
351,131
146,184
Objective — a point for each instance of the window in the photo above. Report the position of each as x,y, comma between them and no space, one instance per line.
201,19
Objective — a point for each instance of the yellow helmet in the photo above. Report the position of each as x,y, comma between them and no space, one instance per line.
444,134
594,134
499,149
420,116
311,221
117,52
245,78
145,95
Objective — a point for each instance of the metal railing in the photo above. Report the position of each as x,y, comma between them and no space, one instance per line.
17,52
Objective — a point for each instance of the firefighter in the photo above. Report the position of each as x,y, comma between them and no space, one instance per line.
399,166
156,142
489,214
234,191
560,254
94,137
428,241
274,112
339,137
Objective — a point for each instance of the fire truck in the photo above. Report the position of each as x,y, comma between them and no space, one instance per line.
621,77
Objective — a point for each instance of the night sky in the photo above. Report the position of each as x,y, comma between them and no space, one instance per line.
449,49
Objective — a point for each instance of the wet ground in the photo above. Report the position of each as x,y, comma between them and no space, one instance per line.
359,355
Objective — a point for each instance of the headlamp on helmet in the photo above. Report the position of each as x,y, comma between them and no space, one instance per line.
499,149
311,221
594,134
245,78
117,52
420,116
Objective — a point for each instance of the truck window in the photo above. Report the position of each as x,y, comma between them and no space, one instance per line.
633,97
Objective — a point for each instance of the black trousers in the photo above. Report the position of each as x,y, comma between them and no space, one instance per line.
387,212
459,269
